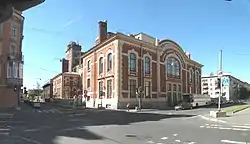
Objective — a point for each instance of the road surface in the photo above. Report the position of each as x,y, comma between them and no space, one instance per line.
53,125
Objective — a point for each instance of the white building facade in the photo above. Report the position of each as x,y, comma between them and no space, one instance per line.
230,87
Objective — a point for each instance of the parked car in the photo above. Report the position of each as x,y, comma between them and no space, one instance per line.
183,106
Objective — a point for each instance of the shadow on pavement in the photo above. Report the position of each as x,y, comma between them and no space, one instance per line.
225,105
46,129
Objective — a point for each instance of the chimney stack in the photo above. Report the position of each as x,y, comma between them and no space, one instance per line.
188,55
65,65
103,30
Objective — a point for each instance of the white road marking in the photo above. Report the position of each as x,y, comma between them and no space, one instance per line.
4,133
150,142
4,129
175,134
191,142
233,142
239,126
226,128
164,138
159,143
202,126
26,139
177,141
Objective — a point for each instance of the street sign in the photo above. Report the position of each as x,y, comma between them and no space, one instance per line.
225,81
220,73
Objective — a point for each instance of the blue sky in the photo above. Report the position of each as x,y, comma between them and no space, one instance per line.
202,27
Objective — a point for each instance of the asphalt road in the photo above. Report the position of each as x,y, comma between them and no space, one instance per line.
53,125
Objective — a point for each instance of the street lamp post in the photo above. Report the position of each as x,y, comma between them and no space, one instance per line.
139,93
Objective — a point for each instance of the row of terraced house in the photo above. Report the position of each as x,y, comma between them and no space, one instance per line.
110,72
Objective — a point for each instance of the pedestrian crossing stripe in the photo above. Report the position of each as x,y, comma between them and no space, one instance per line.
232,127
49,111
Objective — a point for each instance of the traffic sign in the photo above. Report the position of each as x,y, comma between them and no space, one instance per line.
225,81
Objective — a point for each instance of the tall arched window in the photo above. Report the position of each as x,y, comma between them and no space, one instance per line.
147,65
197,77
172,67
109,62
190,75
132,62
101,65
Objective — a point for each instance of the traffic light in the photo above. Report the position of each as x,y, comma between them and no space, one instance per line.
218,82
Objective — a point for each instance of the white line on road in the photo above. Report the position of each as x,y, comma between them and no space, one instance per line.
233,142
238,126
4,129
26,139
175,134
150,142
4,133
225,128
164,138
177,141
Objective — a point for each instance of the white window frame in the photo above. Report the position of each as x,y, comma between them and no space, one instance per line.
88,66
13,31
109,62
109,89
129,87
12,49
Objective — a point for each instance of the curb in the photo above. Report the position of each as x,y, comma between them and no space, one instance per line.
212,119
241,109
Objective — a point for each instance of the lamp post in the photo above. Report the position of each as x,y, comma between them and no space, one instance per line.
139,93
220,74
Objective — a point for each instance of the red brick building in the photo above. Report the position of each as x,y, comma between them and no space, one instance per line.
65,85
11,60
118,64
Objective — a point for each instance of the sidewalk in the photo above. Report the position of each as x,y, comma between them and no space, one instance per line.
241,118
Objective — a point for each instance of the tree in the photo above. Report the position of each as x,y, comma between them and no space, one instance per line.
38,85
243,93
211,74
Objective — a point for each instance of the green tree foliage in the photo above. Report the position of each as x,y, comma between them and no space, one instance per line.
244,93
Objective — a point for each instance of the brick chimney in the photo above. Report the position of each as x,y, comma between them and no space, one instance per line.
65,65
103,30
188,55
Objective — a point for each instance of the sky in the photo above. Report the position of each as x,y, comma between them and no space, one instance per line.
201,27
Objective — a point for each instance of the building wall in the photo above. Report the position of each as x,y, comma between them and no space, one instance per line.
95,77
230,92
47,91
57,86
71,84
159,83
8,97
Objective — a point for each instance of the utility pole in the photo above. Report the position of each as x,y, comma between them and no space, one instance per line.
220,70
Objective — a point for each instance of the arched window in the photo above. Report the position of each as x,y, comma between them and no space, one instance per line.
109,62
132,62
197,77
147,65
100,65
172,67
190,75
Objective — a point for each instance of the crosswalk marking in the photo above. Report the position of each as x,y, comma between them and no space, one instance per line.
233,142
4,131
221,127
53,111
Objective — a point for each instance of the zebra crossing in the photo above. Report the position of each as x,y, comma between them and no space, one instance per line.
245,128
50,111
5,118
